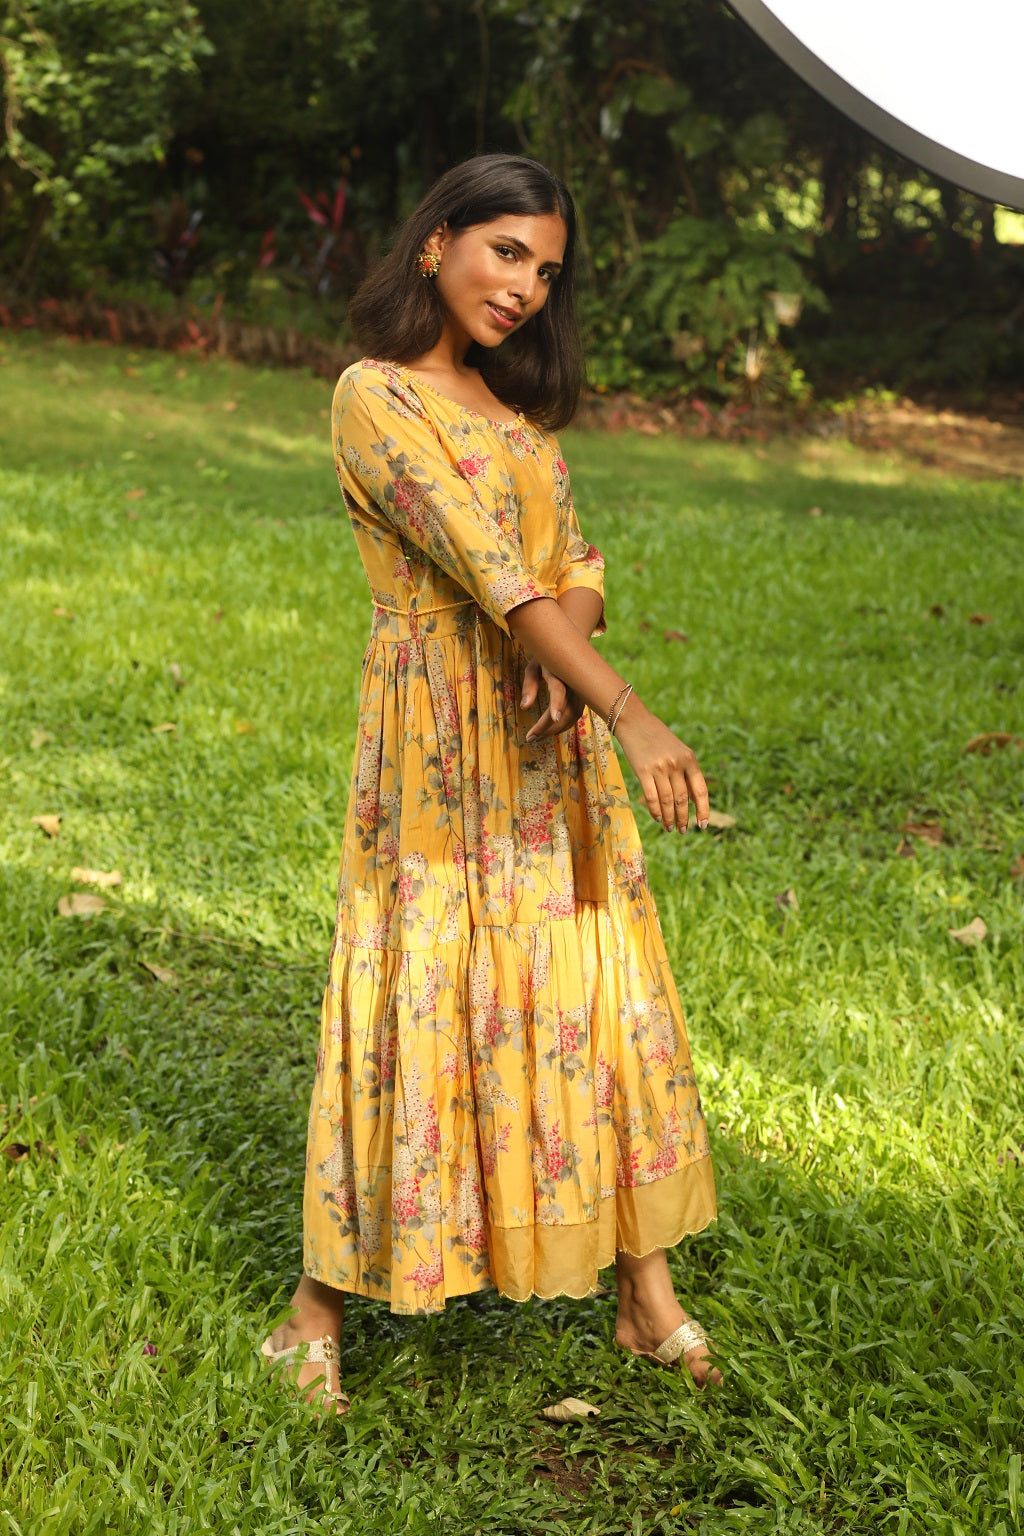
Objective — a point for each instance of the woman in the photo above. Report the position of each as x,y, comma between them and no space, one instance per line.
503,1094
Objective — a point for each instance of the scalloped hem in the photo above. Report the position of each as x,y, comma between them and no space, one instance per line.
552,1261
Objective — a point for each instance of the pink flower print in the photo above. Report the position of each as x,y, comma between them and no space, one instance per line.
561,466
605,1082
473,464
664,1162
430,1134
405,891
400,570
559,904
410,498
534,827
475,1236
387,849
426,1276
450,1066
497,1143
569,1034
405,1200
368,810
388,1052
459,857
657,1053
553,1146
403,653
345,1199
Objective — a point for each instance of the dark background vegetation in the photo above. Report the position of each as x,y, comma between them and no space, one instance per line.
249,160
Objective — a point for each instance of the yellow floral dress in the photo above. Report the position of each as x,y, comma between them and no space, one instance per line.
503,1093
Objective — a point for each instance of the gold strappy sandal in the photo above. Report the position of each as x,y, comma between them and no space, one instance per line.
687,1337
322,1351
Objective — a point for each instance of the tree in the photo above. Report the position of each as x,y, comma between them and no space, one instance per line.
89,88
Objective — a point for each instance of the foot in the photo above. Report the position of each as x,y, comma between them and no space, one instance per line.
319,1310
649,1312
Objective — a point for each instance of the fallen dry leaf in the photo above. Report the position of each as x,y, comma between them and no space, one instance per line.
638,566
813,511
1017,868
936,611
975,933
979,618
927,831
989,739
103,877
786,900
230,405
570,1408
63,613
39,738
81,904
676,634
49,824
177,676
244,728
136,493
787,789
160,730
16,1151
905,850
721,819
161,972
218,615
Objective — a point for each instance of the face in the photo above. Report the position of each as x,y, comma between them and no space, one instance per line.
493,277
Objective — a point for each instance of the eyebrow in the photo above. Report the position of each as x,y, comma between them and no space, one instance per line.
524,250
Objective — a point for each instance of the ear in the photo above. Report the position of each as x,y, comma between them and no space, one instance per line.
437,240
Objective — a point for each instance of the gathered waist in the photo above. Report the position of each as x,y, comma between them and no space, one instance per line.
396,624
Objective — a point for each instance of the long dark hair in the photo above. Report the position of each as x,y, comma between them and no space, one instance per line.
397,314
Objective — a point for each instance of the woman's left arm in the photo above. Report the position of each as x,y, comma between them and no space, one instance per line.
580,595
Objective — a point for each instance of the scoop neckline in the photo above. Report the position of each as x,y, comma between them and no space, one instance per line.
492,421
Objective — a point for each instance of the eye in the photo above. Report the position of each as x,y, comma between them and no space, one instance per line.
506,250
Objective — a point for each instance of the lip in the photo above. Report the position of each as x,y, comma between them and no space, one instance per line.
502,317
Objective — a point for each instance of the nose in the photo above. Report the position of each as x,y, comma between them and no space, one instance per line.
524,285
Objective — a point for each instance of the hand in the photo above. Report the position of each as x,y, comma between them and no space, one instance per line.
564,706
668,771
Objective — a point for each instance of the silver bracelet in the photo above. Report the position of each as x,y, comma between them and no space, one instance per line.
612,723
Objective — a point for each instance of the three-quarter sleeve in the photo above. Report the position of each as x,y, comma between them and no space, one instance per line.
582,563
389,455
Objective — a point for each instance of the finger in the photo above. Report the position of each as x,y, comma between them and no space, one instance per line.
698,794
666,800
540,728
680,798
649,790
556,695
531,684
553,727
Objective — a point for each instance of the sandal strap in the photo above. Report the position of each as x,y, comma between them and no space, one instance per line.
323,1351
688,1336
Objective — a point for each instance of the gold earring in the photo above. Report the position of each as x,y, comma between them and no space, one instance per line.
428,263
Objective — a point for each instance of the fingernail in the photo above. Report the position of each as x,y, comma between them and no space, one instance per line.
556,714
703,824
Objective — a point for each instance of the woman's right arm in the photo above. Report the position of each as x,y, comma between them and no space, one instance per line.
667,769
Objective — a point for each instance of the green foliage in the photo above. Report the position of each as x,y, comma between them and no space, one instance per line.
88,92
709,179
861,1072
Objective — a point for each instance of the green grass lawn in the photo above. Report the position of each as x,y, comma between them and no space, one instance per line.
174,554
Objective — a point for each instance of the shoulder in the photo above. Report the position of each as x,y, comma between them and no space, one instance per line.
372,385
